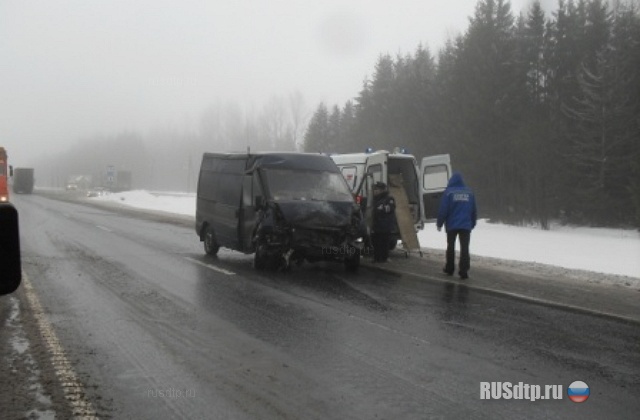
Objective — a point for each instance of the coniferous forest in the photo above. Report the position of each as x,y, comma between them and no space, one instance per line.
539,111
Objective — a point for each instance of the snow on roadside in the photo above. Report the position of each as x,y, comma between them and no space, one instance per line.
611,251
168,202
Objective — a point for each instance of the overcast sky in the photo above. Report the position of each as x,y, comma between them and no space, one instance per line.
74,69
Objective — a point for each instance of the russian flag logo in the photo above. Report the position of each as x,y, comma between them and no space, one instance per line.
578,392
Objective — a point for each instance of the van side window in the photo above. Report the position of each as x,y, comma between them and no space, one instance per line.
376,172
208,185
435,177
219,179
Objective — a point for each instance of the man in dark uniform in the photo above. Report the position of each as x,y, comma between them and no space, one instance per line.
384,221
458,214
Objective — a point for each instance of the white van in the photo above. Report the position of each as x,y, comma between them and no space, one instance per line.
423,184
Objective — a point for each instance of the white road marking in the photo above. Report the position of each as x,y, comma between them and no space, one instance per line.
74,391
212,267
104,228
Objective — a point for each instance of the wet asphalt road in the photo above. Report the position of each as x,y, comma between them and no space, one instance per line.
154,329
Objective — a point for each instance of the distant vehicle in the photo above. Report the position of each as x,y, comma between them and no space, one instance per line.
5,172
284,207
23,180
97,192
78,182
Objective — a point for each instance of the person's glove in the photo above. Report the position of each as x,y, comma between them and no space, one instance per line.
439,228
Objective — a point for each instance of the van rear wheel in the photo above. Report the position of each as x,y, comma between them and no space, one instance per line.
211,247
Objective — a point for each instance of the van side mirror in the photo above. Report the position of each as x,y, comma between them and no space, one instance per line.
259,201
10,268
11,170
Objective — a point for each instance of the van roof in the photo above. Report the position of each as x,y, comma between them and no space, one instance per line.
362,157
282,160
238,154
303,161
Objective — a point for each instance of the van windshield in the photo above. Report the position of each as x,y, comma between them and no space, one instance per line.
289,184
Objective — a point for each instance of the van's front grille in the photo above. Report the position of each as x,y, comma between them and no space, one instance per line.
316,238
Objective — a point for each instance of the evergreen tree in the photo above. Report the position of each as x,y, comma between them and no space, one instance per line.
415,102
543,116
378,111
347,129
334,138
626,52
316,138
488,77
592,110
533,176
449,99
563,58
604,144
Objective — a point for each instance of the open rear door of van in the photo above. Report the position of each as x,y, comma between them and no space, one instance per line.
377,166
435,172
375,170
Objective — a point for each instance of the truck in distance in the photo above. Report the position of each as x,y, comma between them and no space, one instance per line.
23,180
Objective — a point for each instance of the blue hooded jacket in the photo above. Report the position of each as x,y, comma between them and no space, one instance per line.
457,206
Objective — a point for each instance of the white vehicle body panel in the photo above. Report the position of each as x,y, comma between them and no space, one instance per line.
435,172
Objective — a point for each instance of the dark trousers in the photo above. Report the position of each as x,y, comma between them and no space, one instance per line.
465,259
380,246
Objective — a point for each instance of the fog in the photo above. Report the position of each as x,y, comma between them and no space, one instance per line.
77,72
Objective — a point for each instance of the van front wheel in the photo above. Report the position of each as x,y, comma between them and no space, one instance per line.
352,262
211,247
260,259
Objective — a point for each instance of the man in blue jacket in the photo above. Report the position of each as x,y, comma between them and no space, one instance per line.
458,214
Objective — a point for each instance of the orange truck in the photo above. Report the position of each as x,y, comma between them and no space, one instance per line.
4,176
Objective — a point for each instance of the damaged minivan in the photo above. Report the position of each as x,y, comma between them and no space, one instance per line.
283,207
